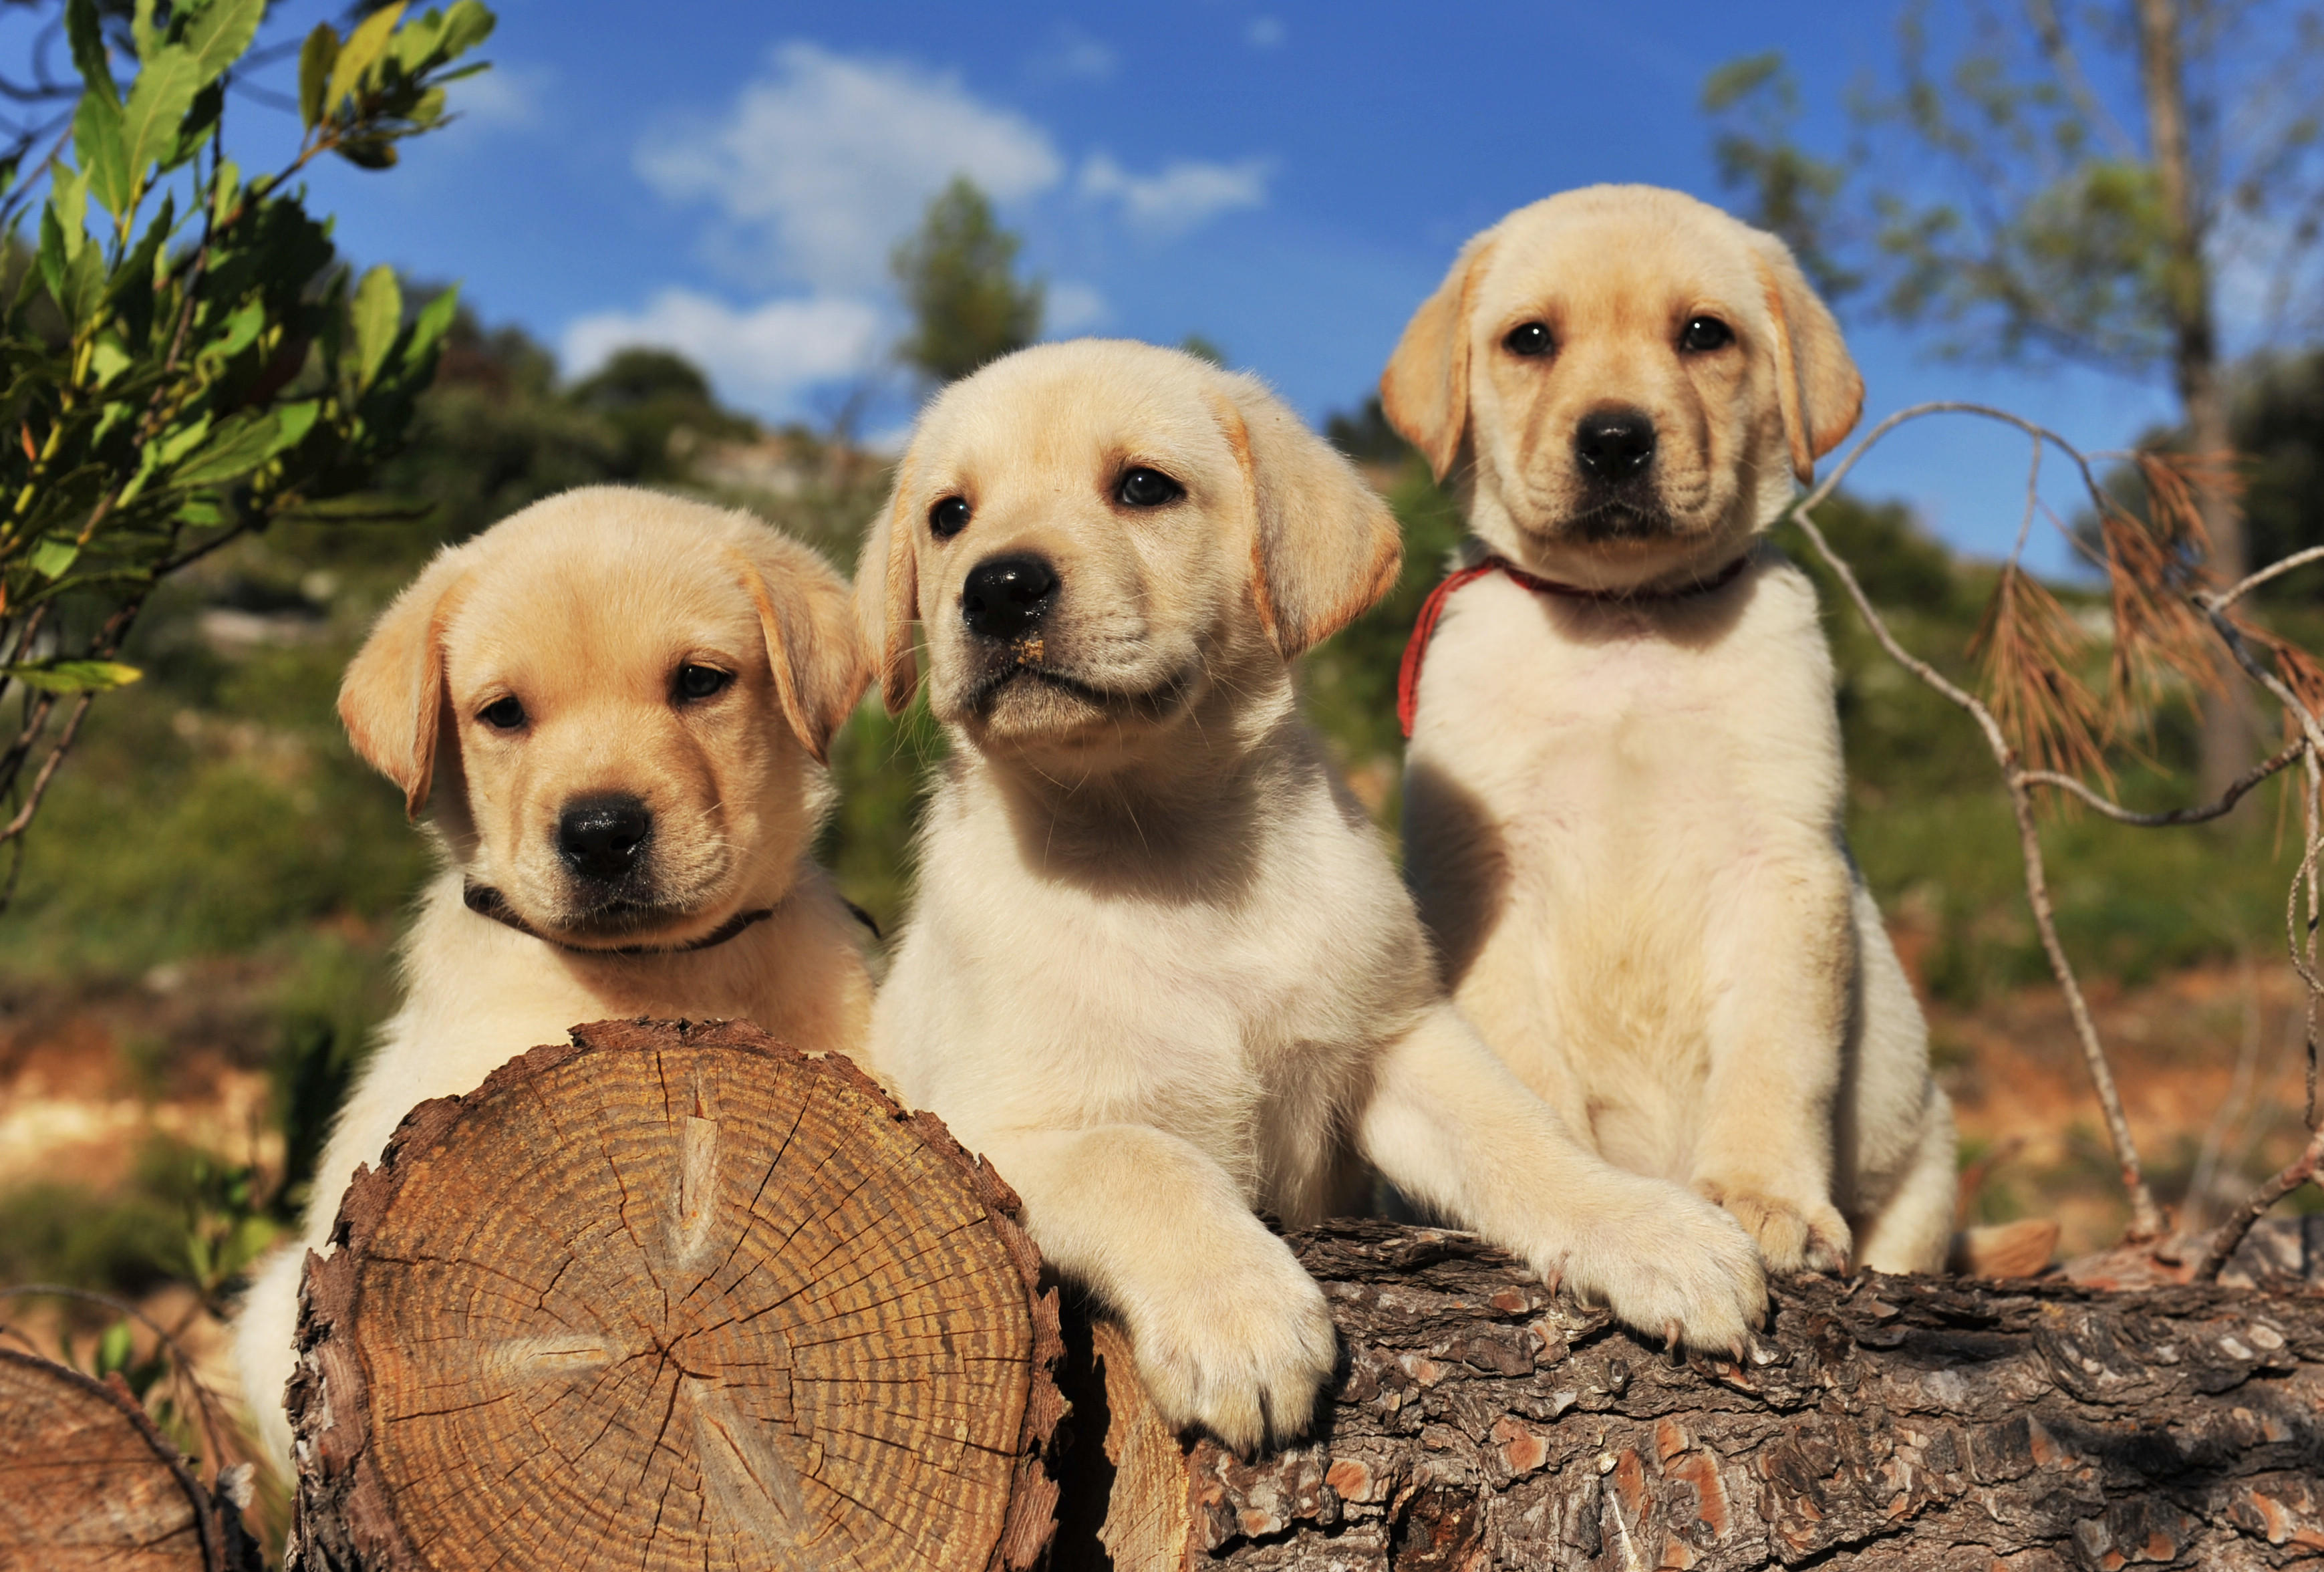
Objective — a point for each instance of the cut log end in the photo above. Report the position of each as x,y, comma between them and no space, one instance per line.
88,1484
675,1296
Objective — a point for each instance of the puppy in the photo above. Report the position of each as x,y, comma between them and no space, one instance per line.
1160,970
619,703
1623,794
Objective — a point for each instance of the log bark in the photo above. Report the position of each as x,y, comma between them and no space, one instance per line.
88,1484
1924,1423
675,1296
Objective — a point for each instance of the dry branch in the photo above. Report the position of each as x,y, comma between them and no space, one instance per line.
2167,622
675,1296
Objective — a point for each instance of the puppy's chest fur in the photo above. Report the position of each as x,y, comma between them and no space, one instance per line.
1239,1009
1622,771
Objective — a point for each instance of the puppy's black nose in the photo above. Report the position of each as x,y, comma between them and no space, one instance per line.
599,837
1005,596
1614,443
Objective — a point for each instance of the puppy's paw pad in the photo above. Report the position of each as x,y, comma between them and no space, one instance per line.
1792,1235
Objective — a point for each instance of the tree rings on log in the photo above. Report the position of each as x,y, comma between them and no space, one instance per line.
675,1296
88,1484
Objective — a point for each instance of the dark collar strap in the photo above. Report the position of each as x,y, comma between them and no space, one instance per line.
1407,676
486,902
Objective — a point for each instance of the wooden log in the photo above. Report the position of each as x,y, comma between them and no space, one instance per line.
88,1484
675,1296
1922,1423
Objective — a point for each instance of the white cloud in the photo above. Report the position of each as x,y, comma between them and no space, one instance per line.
1075,56
822,163
764,356
1186,194
1265,32
1072,307
507,96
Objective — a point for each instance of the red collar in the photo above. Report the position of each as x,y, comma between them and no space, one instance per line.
1407,676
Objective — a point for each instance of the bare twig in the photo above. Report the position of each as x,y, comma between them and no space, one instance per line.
2218,807
2159,585
2299,1171
2275,570
2147,1218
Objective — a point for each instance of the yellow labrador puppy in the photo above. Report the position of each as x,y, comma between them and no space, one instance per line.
619,703
1623,795
1160,970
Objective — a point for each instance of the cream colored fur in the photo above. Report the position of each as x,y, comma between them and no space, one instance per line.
1159,969
1623,820
584,606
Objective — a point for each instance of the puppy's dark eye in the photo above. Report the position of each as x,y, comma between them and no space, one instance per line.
504,714
1140,487
1532,338
948,518
699,682
1702,334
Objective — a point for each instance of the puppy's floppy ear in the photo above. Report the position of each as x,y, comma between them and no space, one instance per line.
1425,391
392,696
1323,545
1817,385
888,594
807,617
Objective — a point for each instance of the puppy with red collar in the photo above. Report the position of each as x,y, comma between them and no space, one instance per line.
1623,795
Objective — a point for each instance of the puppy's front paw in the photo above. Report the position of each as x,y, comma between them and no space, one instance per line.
1239,1347
1802,1235
1670,1265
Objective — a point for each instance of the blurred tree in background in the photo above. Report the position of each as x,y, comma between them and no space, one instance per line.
2068,183
959,283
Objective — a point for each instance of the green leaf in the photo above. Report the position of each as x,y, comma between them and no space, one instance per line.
141,31
220,34
369,507
113,1349
242,443
414,45
435,320
54,257
52,559
466,25
200,120
229,186
107,360
97,139
158,101
177,444
86,32
376,315
316,58
372,152
361,52
84,291
242,329
68,199
294,422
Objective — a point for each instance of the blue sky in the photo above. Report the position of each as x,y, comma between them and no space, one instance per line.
1289,180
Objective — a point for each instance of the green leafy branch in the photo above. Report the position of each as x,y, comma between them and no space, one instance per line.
182,358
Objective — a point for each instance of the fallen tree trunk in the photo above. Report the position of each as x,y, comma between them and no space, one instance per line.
87,1483
674,1296
1922,1423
